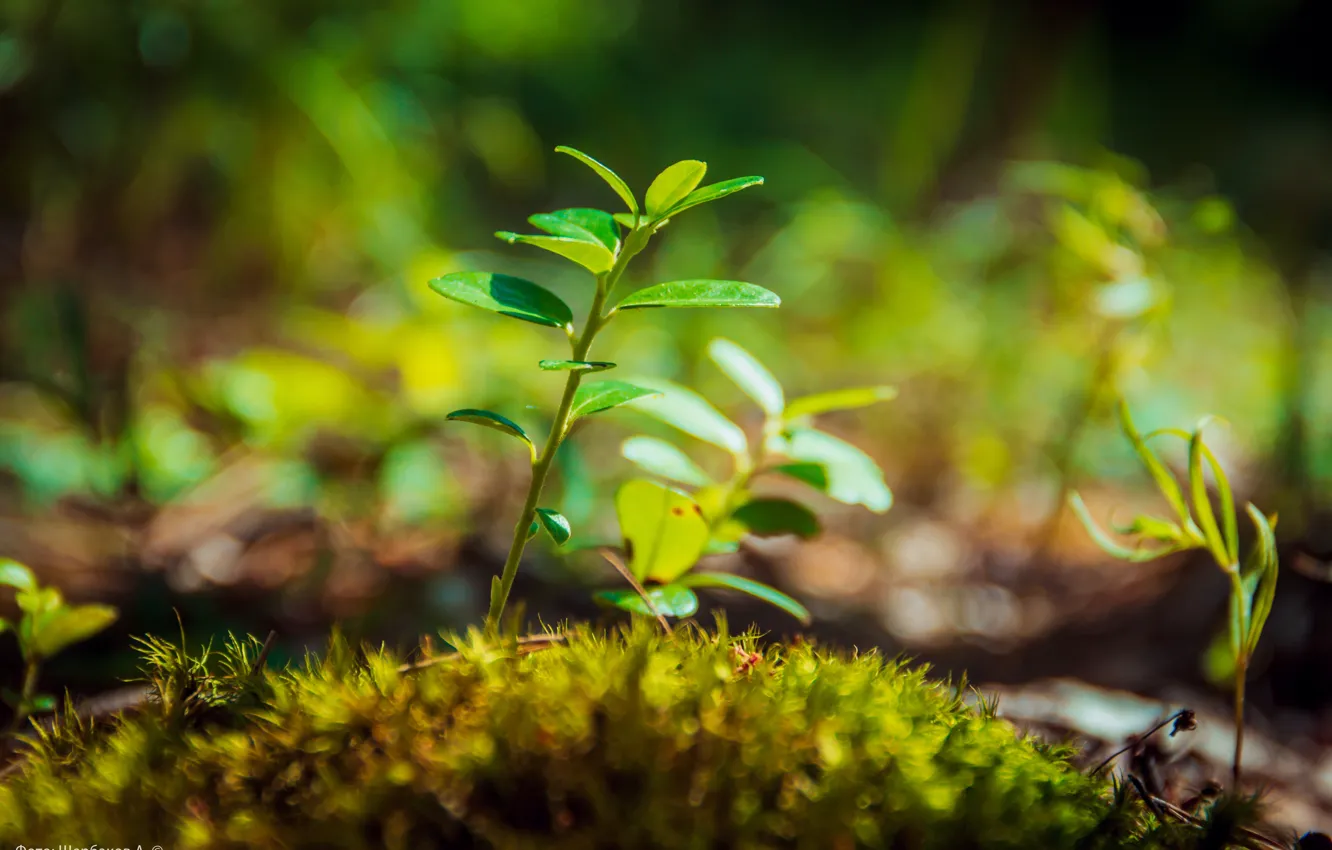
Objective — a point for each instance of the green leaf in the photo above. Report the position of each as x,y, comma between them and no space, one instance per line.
1107,543
671,600
582,223
700,293
59,628
692,414
673,185
1165,482
606,174
1263,568
588,366
812,474
603,395
591,255
663,529
492,420
665,460
4,625
508,296
706,194
769,517
853,476
753,588
1155,528
42,704
629,220
848,399
1202,502
749,375
555,524
15,575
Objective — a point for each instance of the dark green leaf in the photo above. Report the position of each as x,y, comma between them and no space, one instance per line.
753,588
490,419
509,296
810,473
706,194
603,395
672,185
661,458
848,399
700,293
767,517
589,225
749,375
591,255
15,575
588,366
42,704
691,413
606,174
556,525
671,600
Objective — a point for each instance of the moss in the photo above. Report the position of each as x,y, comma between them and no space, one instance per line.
631,739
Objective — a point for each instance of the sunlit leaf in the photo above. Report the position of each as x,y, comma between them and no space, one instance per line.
700,293
509,296
853,476
583,223
848,399
603,395
749,375
1107,543
672,185
56,629
588,366
1165,482
15,575
629,220
753,588
706,194
591,255
1155,529
665,460
555,524
606,174
1265,565
687,410
663,529
768,517
1202,502
492,420
812,474
671,600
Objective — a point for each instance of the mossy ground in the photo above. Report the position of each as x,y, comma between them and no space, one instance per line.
633,739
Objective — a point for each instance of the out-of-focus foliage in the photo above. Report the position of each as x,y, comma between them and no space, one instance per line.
217,220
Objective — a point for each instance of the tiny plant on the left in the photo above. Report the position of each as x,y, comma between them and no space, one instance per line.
604,244
46,626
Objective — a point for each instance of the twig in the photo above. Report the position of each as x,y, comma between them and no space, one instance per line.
262,658
1183,720
609,555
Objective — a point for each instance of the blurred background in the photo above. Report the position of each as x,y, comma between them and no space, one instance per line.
222,376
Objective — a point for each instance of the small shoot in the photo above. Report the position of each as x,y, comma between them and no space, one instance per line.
1196,526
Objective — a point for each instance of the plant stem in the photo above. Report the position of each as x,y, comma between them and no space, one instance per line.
596,319
1241,673
26,695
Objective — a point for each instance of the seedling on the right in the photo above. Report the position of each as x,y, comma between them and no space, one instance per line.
1252,582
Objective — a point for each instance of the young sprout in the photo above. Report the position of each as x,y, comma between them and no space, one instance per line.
1252,581
47,626
604,244
666,530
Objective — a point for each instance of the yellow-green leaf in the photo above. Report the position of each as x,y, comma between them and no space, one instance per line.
848,399
673,185
591,255
606,174
663,529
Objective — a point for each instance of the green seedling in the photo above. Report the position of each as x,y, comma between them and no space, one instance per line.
604,244
46,626
1252,581
666,531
